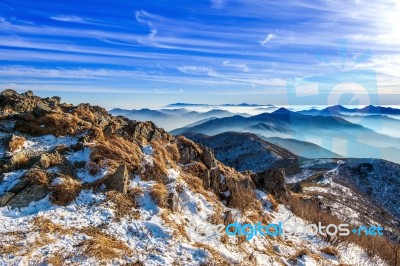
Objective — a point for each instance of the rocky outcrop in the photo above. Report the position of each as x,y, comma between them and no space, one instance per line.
29,188
272,181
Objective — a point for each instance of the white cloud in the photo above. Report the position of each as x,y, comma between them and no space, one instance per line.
143,18
243,67
269,37
68,19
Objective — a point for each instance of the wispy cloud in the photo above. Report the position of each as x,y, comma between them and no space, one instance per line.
267,39
68,19
141,17
217,4
243,66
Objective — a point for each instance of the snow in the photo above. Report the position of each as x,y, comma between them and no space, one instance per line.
9,180
147,150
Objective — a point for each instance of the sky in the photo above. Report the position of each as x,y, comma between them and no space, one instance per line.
133,54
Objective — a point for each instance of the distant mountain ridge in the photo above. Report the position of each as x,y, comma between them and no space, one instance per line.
245,151
228,104
360,141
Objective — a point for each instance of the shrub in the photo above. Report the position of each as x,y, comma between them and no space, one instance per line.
65,191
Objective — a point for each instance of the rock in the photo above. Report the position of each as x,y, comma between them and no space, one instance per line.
49,159
16,161
24,192
42,110
8,92
28,93
30,193
56,98
6,198
208,158
172,201
272,181
297,187
119,180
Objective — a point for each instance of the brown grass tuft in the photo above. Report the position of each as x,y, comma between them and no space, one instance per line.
38,176
159,193
45,225
274,204
113,152
15,143
330,251
123,204
103,246
65,192
57,124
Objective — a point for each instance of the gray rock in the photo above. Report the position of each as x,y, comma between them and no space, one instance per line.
208,158
272,181
30,193
119,180
28,93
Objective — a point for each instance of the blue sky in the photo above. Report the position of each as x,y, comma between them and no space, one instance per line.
150,53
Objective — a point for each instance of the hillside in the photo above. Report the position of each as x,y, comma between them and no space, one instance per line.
79,186
324,131
245,151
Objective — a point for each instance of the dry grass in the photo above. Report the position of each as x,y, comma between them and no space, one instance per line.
65,192
330,251
123,205
159,194
216,258
15,143
56,259
56,124
299,253
113,152
373,245
179,228
44,225
103,246
38,176
274,204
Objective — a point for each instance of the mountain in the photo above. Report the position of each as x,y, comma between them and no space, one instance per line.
80,186
377,121
207,105
367,186
367,110
303,148
321,130
170,118
245,151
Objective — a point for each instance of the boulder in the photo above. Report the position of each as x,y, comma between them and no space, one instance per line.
172,201
208,158
272,181
119,180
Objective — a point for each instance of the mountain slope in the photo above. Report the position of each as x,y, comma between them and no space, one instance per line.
320,130
303,148
170,118
79,186
245,151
